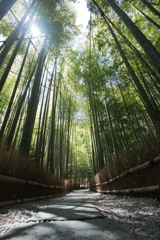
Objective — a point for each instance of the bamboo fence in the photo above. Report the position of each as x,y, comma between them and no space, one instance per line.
18,201
137,169
55,190
12,180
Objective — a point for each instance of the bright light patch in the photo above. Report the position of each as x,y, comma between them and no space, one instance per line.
2,38
35,31
82,12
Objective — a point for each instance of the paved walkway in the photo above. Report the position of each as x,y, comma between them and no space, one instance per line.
71,218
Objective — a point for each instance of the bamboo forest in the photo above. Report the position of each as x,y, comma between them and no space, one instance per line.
80,106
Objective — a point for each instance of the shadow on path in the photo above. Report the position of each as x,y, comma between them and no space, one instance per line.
71,218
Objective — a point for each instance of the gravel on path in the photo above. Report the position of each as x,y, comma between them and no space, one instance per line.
140,216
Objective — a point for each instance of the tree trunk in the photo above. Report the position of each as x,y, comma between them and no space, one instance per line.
11,39
10,135
151,8
14,92
150,109
32,106
147,17
43,136
147,46
39,140
9,65
154,116
68,137
53,120
5,6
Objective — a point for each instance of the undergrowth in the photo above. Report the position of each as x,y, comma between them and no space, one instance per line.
123,162
14,164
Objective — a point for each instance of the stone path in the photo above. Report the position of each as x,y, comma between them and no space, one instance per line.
70,218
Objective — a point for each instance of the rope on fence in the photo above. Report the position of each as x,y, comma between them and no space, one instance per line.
132,170
133,190
18,201
18,181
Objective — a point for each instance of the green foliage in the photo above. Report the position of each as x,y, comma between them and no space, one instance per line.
81,148
56,20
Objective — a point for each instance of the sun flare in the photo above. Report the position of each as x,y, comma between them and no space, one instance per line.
35,31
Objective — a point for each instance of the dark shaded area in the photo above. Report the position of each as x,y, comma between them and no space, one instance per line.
15,191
